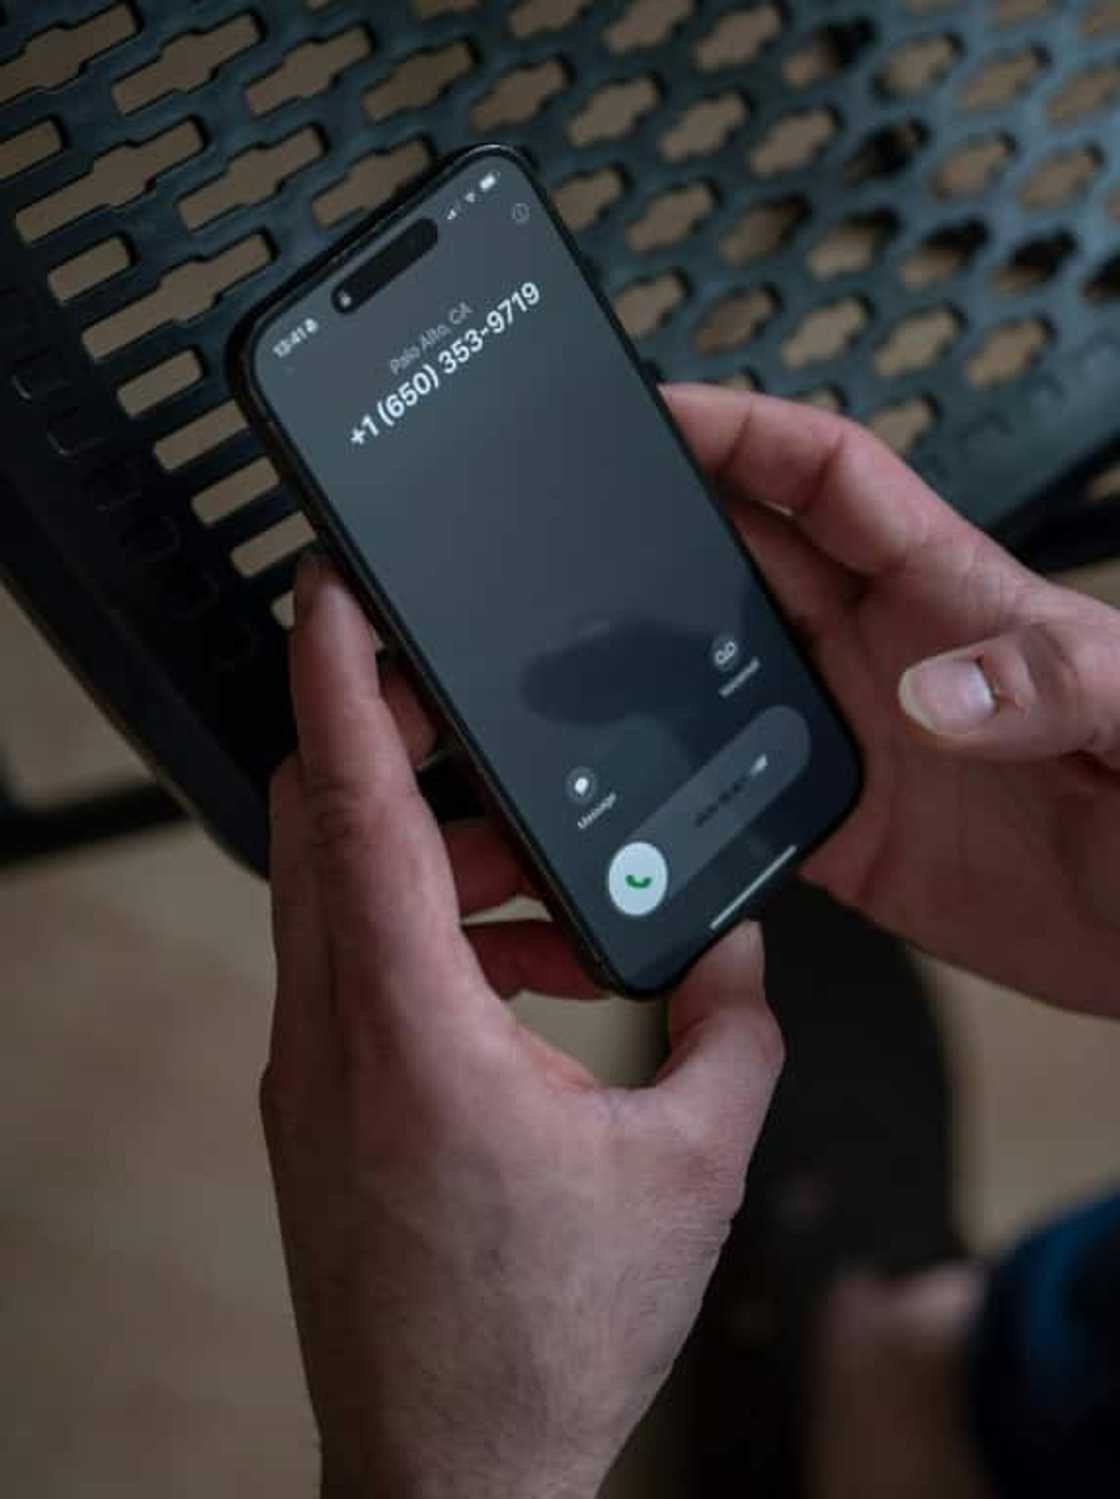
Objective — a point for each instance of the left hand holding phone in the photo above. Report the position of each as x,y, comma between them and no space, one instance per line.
494,1259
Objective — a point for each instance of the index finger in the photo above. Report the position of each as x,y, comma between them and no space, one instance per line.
388,894
846,491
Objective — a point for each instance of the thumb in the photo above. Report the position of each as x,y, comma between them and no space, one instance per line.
726,1050
1045,689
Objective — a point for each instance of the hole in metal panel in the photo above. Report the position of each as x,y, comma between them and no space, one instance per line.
944,254
647,23
201,436
583,199
903,425
311,69
534,16
830,51
918,342
253,177
1003,80
161,383
371,182
794,142
186,63
1104,486
648,304
738,38
826,333
854,245
117,178
55,57
27,149
671,217
763,230
613,112
1102,19
736,321
520,96
1085,94
419,81
284,610
284,539
918,65
974,167
1060,178
1014,12
1104,285
825,398
235,491
1034,263
885,153
704,128
1008,352
90,269
184,293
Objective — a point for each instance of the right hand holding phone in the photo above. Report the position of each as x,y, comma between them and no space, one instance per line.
986,699
494,1259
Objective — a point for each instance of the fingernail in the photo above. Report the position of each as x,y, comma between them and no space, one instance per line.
949,695
308,574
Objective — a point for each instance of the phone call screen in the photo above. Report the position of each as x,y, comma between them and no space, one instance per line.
483,438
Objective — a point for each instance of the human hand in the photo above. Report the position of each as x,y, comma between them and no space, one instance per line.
494,1260
988,828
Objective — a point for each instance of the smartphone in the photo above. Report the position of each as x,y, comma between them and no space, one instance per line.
480,448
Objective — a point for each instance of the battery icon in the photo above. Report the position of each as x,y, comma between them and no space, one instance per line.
489,182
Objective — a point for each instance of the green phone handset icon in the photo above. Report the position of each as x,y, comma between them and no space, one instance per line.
638,879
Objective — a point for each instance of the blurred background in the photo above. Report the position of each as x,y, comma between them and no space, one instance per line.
909,212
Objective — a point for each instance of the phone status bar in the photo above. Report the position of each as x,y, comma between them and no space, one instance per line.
472,196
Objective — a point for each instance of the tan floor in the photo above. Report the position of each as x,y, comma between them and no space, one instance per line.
147,1347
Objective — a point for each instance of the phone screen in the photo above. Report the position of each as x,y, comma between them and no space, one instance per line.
487,452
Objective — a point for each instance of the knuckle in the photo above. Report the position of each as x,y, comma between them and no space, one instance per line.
1062,659
339,814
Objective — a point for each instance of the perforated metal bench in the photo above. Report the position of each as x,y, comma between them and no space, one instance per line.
910,213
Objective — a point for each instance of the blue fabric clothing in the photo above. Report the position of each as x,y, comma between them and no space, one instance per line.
1045,1374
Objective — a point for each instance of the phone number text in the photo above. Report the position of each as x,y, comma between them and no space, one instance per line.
390,409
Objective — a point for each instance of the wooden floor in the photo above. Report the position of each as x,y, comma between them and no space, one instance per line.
147,1345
